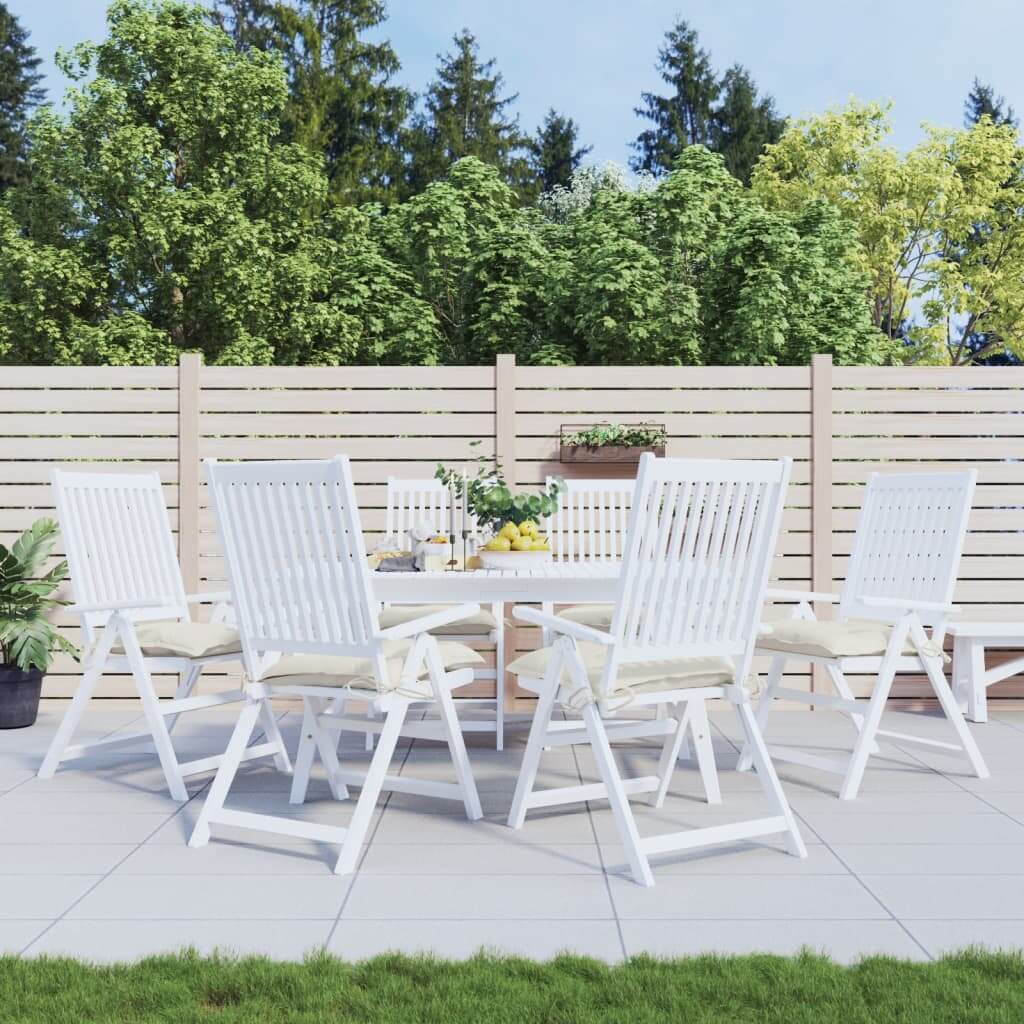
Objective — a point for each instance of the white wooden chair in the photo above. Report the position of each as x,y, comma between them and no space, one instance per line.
410,502
135,617
589,525
310,628
899,585
695,568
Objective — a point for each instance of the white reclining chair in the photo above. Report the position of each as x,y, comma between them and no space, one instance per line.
695,569
408,503
899,584
135,617
310,628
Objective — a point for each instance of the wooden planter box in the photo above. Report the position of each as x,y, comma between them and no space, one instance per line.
605,453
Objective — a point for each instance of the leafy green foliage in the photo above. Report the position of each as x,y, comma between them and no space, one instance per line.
937,231
628,435
20,91
27,639
492,502
555,153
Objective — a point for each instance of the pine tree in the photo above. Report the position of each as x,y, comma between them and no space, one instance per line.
20,91
982,100
554,151
465,115
684,118
344,103
744,123
725,114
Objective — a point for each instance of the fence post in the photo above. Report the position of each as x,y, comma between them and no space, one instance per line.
505,453
821,492
189,368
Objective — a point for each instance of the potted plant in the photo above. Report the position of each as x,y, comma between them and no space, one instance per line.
27,639
611,442
509,518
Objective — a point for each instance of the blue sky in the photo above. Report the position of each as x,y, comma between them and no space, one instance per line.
593,58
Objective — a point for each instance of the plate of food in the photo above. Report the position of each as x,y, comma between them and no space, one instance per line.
515,546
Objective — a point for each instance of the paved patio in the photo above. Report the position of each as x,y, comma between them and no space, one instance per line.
93,863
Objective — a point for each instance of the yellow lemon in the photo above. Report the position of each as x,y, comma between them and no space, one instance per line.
539,544
509,530
522,544
498,544
528,528
439,540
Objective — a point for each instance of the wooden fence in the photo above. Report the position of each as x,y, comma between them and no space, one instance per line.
838,423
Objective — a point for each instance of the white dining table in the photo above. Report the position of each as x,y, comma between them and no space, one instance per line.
555,582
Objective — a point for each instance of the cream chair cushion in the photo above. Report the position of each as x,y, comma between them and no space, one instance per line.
357,673
480,624
597,616
645,677
168,638
828,639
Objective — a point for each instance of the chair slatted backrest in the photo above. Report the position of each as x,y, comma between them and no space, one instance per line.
910,535
410,502
590,522
119,544
701,540
295,556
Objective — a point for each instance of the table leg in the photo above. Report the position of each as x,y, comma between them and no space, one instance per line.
977,699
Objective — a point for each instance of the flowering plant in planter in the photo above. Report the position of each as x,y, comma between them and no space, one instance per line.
27,639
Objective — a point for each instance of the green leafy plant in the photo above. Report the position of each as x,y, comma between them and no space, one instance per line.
492,501
626,435
27,639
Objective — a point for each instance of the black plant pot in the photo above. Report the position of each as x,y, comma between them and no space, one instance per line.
19,696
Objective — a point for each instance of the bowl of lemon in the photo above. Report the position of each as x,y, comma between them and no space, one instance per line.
515,546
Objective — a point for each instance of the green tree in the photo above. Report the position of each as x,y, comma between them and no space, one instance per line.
982,101
727,115
343,102
466,114
162,214
20,91
555,154
744,123
684,118
937,229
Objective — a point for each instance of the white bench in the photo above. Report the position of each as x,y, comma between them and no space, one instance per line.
970,676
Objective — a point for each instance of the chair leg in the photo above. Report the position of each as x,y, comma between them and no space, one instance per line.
498,611
272,731
621,810
532,754
185,687
842,687
456,743
154,718
325,745
766,773
764,707
374,780
371,737
670,754
73,716
700,729
876,706
226,772
953,713
304,756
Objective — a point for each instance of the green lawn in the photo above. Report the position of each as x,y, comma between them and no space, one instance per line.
969,987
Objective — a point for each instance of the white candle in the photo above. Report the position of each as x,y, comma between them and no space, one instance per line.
465,503
451,508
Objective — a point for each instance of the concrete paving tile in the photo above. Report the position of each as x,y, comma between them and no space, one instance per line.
21,899
948,897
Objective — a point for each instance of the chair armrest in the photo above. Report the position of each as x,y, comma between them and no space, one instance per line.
563,626
214,597
428,622
122,606
801,595
909,604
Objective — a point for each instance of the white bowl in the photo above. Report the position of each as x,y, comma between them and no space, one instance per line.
513,559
